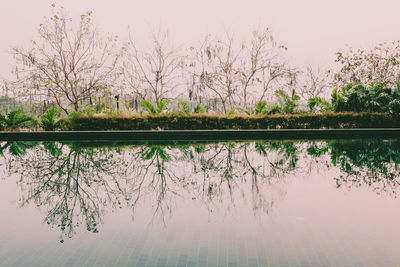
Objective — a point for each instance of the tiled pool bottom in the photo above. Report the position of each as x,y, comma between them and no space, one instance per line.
283,203
304,229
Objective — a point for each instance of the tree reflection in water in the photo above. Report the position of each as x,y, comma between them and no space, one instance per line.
77,184
372,163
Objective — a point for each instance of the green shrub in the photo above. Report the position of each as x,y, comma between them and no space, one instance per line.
360,98
245,111
288,104
261,108
183,107
49,120
199,109
274,109
74,114
230,113
207,121
89,112
318,104
16,119
151,109
147,106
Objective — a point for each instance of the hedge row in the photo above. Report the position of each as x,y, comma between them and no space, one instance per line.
210,122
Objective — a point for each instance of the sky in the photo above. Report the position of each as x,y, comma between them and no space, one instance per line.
313,30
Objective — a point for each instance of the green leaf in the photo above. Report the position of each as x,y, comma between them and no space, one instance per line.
199,109
49,122
243,110
148,153
230,113
17,118
162,105
163,155
261,107
147,106
184,107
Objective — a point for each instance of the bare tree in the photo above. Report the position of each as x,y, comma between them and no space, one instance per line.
240,74
216,60
312,82
153,73
69,64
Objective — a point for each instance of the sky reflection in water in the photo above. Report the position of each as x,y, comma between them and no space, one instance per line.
250,203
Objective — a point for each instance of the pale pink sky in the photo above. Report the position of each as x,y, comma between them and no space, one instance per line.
313,30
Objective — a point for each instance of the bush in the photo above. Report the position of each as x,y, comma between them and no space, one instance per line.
89,112
152,109
199,109
49,120
274,109
374,98
261,108
183,107
16,119
318,104
288,103
213,122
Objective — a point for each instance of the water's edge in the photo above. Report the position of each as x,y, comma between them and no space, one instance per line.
192,135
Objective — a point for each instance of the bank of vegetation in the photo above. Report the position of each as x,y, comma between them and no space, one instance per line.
347,110
351,107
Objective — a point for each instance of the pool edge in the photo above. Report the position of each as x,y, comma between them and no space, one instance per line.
187,135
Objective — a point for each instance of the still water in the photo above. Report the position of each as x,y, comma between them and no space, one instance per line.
269,203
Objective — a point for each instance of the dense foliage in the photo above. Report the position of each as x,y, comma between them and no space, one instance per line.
204,121
373,98
351,107
16,119
49,120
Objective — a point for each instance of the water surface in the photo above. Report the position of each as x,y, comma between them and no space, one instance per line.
269,203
